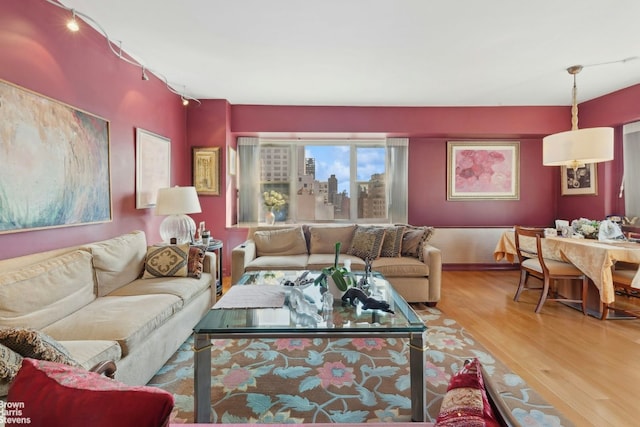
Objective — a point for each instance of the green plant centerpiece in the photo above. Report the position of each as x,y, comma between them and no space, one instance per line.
342,277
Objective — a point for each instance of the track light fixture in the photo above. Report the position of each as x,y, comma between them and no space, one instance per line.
185,101
72,24
144,75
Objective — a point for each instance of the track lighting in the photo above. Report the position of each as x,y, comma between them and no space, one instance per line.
185,101
144,75
72,24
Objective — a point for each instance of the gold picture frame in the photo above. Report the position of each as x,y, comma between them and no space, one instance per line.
586,184
483,170
206,170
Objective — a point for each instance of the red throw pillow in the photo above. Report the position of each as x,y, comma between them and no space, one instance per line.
56,395
465,404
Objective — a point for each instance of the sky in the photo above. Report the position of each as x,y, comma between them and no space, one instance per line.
335,159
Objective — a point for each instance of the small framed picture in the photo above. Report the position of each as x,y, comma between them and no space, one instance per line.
582,181
206,170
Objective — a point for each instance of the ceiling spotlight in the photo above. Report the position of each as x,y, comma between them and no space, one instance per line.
144,75
72,24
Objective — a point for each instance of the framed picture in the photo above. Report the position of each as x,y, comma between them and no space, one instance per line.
55,163
582,181
153,167
206,170
483,170
231,161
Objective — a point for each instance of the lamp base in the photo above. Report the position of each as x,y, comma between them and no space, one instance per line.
180,227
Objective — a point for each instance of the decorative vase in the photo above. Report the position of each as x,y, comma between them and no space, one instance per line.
334,289
270,217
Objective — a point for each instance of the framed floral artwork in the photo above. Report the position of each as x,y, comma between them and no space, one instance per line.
581,181
483,170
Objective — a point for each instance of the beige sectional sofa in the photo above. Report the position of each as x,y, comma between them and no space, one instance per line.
94,301
406,259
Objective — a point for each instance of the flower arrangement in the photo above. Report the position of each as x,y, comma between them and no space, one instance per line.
342,277
586,227
272,199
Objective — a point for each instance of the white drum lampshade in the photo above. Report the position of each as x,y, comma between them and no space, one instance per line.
575,148
176,202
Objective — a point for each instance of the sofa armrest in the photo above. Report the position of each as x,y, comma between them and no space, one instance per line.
433,258
241,255
209,264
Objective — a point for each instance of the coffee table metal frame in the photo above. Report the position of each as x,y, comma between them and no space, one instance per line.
214,326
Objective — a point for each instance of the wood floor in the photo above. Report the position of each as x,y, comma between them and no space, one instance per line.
587,368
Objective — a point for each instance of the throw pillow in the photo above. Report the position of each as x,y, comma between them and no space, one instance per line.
57,395
195,262
10,363
36,345
465,404
414,239
367,242
166,261
392,243
287,241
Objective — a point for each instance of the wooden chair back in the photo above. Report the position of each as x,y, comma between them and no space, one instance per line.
526,252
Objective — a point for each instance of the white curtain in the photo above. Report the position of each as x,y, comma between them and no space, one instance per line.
631,155
398,175
248,179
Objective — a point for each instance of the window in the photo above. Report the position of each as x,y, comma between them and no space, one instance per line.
631,155
337,180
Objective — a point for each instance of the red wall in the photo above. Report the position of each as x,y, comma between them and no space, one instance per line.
39,54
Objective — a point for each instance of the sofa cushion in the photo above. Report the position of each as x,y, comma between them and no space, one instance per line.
287,241
118,261
320,261
291,262
55,395
392,243
186,288
400,267
367,242
42,293
35,345
466,404
322,239
88,353
10,363
414,239
128,319
166,261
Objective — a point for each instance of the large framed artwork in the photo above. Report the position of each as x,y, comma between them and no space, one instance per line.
153,167
54,163
206,170
483,170
583,180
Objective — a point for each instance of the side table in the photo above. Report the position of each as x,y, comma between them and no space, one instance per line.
216,246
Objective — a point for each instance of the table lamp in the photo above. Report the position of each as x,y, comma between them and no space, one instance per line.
176,202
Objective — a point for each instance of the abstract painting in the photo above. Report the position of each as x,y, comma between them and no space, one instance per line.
479,170
54,163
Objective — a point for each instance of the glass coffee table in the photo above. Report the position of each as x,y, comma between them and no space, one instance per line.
339,322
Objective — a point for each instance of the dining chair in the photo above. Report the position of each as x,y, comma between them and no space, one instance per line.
623,274
533,263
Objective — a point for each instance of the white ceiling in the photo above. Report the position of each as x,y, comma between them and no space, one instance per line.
380,52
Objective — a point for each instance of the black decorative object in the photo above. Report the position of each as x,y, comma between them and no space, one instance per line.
353,294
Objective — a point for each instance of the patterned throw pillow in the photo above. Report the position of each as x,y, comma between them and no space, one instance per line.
195,262
414,239
392,243
465,404
367,242
51,394
35,345
10,363
166,261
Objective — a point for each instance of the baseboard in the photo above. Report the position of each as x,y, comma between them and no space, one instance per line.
481,267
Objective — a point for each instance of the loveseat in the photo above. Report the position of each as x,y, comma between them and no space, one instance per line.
400,252
100,301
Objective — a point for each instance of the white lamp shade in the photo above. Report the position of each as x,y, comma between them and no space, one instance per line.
177,200
578,147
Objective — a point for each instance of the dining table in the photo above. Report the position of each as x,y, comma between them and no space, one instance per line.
594,258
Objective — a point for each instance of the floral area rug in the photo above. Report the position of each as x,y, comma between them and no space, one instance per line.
298,380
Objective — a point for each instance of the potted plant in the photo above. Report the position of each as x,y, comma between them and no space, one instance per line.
342,277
